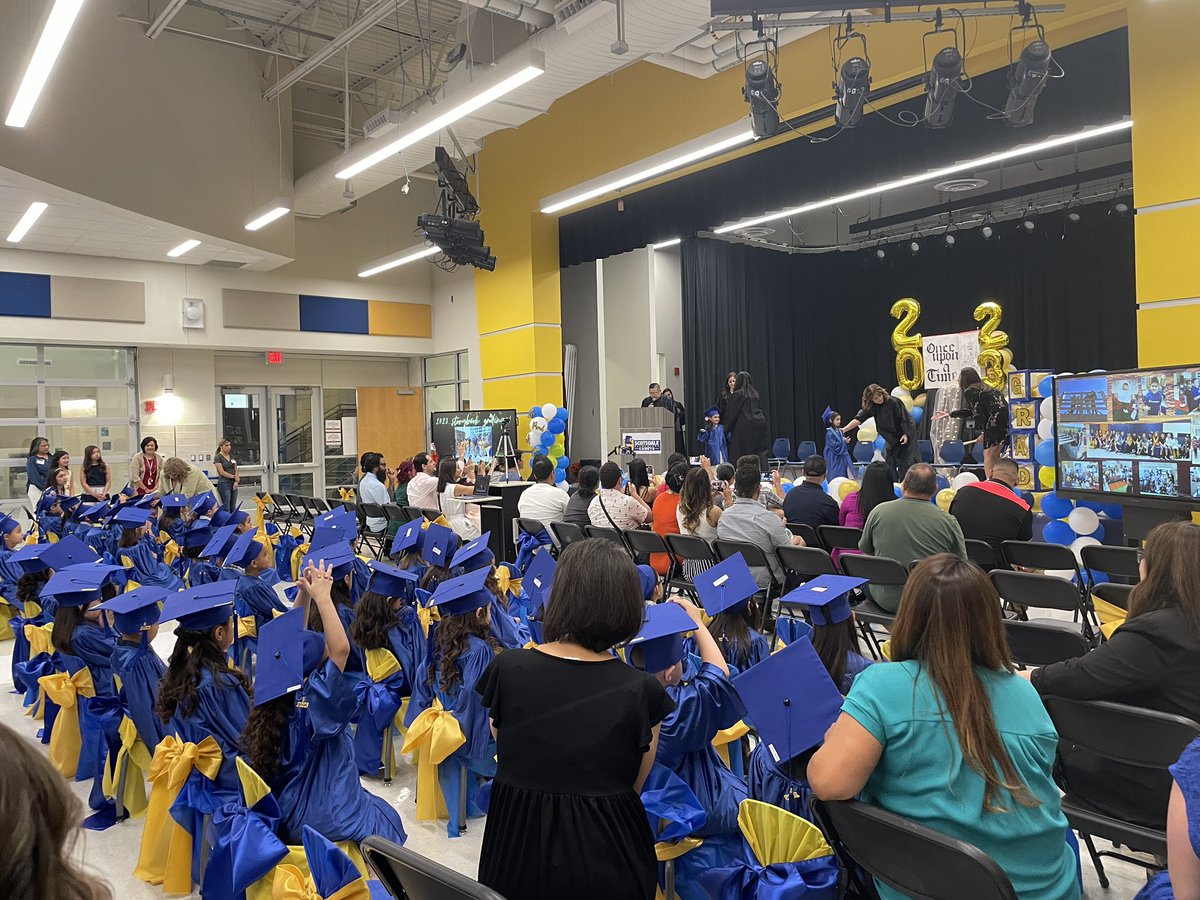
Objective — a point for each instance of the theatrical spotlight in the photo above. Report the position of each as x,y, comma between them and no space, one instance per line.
949,240
1121,208
942,86
1026,79
914,247
880,254
1029,221
762,90
988,229
854,79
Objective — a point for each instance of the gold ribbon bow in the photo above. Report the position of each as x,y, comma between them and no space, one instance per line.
1111,616
427,615
260,511
508,584
247,627
32,537
136,755
171,552
727,736
41,638
435,734
126,561
264,888
298,560
65,741
292,884
166,852
347,495
6,613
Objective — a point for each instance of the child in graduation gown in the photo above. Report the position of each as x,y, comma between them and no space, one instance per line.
461,646
138,547
298,736
506,628
172,520
253,597
438,547
407,546
726,590
135,618
339,557
12,536
837,455
712,438
705,703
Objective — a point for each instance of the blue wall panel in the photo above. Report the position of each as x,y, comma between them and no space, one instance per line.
27,295
335,314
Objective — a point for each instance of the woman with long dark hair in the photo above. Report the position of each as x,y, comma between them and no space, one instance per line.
95,480
985,415
949,736
37,467
893,423
877,487
639,480
585,492
744,422
462,517
727,389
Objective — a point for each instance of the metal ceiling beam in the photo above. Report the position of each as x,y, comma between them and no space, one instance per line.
276,26
380,10
301,7
169,12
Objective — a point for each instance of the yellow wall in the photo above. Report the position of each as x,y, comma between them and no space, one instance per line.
641,110
1164,76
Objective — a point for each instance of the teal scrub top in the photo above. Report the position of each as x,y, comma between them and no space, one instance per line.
923,777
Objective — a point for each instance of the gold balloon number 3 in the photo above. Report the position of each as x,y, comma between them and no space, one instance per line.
910,364
992,342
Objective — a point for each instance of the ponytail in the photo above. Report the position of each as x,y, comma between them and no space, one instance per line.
66,620
262,738
731,631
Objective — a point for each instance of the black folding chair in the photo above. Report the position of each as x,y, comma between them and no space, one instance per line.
984,555
394,514
805,562
1043,643
271,510
374,541
807,532
411,513
431,515
565,533
1031,590
1129,736
408,875
304,512
1119,563
697,555
877,570
908,857
755,557
291,514
606,534
1038,555
642,542
839,537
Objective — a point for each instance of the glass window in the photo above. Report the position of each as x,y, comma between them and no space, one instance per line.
87,402
340,404
340,471
241,422
89,363
18,362
440,368
441,398
293,415
300,483
463,370
15,440
13,486
18,402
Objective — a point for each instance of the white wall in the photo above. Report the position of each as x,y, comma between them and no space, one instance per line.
667,297
627,356
578,296
455,326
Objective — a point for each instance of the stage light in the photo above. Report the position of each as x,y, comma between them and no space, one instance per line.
403,258
942,86
1073,217
1026,80
1121,208
852,90
986,232
762,92
880,253
914,247
950,240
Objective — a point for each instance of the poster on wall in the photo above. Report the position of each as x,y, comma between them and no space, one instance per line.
473,435
946,355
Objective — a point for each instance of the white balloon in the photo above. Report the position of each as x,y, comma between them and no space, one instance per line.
962,479
832,490
1078,544
1083,521
1046,429
538,424
549,410
1047,408
533,438
901,392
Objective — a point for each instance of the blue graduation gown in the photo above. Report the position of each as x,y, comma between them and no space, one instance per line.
506,627
222,707
100,539
49,524
200,571
148,569
760,649
253,597
94,645
10,574
837,454
407,642
318,784
713,444
140,671
770,783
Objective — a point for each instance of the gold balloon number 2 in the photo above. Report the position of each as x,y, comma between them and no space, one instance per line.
992,344
910,364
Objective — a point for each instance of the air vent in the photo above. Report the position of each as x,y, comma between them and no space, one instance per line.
571,15
225,264
754,232
960,185
29,362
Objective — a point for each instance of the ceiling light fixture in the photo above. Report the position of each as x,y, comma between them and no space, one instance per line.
49,45
31,215
276,209
644,169
935,174
492,85
662,245
190,244
404,257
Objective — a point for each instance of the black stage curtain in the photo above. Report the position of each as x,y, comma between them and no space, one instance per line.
815,329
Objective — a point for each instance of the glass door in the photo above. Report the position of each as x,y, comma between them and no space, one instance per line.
241,423
271,429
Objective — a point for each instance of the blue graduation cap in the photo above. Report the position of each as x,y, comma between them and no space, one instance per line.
128,491
29,558
245,550
219,518
201,608
77,585
649,579
69,551
661,638
88,511
408,538
790,698
47,500
328,536
461,595
438,545
132,516
827,415
146,501
391,581
474,555
287,652
711,411
218,544
173,501
340,518
66,504
726,586
7,524
338,555
202,504
538,579
199,533
237,518
826,596
136,610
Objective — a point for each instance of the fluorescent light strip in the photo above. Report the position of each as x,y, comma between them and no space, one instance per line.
183,248
276,209
450,111
649,168
404,257
31,215
935,174
49,45
662,245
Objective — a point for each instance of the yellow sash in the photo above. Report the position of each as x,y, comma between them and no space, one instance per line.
41,638
292,884
65,741
247,626
166,852
508,584
297,559
727,736
381,665
6,613
427,615
134,749
260,511
435,734
171,551
778,836
126,561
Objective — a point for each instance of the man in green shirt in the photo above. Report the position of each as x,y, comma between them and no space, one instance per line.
912,529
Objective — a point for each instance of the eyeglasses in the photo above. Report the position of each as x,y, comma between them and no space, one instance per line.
1141,556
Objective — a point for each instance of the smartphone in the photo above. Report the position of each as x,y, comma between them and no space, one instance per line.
718,486
650,470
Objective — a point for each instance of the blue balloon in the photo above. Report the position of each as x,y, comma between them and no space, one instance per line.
880,444
548,439
1114,511
917,413
1097,576
534,412
1045,387
561,414
942,482
1056,507
1044,453
898,492
786,488
563,462
1098,534
1091,504
556,426
1058,532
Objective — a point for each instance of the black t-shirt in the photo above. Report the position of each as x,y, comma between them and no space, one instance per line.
569,726
984,516
809,504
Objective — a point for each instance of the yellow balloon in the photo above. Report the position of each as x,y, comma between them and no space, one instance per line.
919,400
846,488
867,434
1046,476
1008,356
907,401
944,496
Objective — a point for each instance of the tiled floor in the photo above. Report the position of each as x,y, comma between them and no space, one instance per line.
112,854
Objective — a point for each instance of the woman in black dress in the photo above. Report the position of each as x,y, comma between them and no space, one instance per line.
986,417
745,424
727,390
576,734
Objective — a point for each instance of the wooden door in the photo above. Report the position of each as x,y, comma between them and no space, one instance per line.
391,421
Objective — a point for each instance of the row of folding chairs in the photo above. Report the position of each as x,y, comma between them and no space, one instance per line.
379,543
287,510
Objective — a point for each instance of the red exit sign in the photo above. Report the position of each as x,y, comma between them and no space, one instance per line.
274,358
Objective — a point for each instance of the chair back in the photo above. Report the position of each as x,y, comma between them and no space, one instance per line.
807,562
410,876
863,452
1121,562
839,537
530,526
908,857
394,513
876,569
605,534
565,533
690,546
952,452
983,555
752,553
1129,735
431,514
1116,594
1043,643
805,531
1039,555
639,540
373,511
411,513
781,448
926,450
805,450
1039,591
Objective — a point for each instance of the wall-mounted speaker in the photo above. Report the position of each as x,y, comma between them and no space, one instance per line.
193,313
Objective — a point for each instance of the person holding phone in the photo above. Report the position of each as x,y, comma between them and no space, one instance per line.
617,505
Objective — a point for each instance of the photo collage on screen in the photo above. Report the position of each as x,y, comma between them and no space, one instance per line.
1136,434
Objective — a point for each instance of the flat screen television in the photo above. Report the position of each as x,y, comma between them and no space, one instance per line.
473,435
1130,436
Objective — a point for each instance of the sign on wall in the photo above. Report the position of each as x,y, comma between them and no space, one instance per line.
946,355
642,442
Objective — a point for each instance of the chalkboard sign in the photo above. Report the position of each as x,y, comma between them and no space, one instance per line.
473,434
